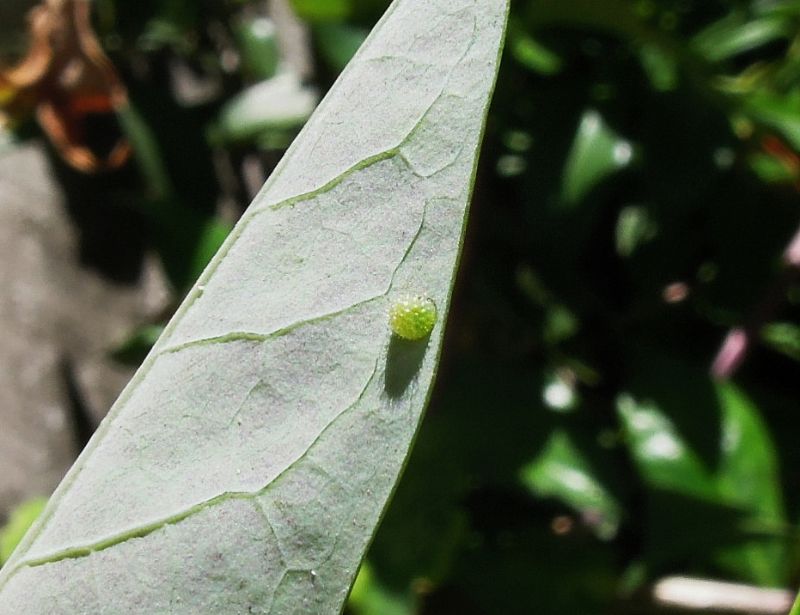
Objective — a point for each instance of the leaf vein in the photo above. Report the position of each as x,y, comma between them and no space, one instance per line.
176,518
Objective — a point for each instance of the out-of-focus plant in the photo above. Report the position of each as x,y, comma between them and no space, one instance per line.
22,517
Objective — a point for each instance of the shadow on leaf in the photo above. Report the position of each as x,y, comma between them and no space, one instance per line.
402,364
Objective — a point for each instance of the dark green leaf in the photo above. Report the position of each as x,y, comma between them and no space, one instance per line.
258,47
339,42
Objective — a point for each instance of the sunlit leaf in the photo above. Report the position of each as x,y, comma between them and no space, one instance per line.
597,152
279,106
562,472
370,597
246,466
748,477
744,487
532,54
777,112
22,517
323,10
662,456
737,34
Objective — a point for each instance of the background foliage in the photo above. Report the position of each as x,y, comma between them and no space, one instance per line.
637,191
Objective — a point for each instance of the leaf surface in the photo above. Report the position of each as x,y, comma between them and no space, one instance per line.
246,465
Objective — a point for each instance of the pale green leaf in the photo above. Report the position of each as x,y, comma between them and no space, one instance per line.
245,467
18,523
737,34
660,452
562,472
281,104
746,478
597,152
371,597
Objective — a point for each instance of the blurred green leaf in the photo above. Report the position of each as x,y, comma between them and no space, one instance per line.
748,478
323,10
737,34
338,42
518,141
185,238
533,55
22,517
635,227
562,472
661,455
171,26
279,106
748,471
597,152
147,152
783,337
560,324
781,113
213,234
258,47
134,349
743,492
370,597
770,169
661,67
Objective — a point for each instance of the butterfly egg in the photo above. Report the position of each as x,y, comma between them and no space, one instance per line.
413,317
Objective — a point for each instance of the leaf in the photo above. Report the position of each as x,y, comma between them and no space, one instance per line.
596,153
661,454
741,498
246,465
370,597
778,113
133,350
660,67
736,34
21,519
635,227
531,54
783,337
323,10
749,478
748,469
338,42
562,472
279,105
258,47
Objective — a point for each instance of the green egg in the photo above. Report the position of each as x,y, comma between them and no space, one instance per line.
413,318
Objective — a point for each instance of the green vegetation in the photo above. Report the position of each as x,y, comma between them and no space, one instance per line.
591,430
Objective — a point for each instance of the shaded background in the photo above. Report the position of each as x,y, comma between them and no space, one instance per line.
636,205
